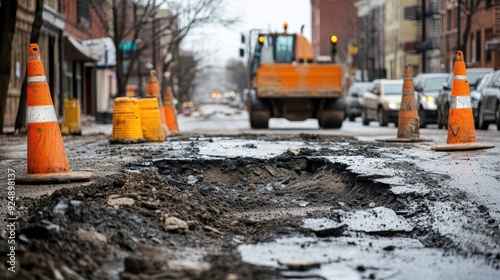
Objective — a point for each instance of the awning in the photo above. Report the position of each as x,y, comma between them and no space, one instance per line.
74,50
493,45
103,49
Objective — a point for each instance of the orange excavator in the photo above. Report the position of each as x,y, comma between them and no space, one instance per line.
288,82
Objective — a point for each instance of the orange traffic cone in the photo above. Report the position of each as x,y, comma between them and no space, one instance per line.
170,112
408,125
153,89
47,161
461,131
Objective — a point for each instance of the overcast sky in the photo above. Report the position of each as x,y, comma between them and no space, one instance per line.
267,15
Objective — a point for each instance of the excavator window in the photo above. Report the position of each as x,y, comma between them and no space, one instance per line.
284,49
273,49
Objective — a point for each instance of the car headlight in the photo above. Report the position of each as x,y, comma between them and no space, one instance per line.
393,105
429,99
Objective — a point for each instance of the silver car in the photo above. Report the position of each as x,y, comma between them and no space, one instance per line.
381,103
354,99
427,87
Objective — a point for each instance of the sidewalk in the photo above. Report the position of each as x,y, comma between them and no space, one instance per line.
215,116
93,128
96,128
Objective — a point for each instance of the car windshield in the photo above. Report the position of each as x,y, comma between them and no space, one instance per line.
393,89
434,84
360,89
472,77
482,82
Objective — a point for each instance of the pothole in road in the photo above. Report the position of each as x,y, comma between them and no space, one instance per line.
250,184
273,189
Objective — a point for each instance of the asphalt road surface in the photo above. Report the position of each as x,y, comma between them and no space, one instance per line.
223,201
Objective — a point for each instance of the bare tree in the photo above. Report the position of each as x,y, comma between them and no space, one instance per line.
167,21
236,74
186,69
189,15
124,21
8,10
20,124
470,8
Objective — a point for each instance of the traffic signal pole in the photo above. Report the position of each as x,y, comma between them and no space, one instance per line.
334,39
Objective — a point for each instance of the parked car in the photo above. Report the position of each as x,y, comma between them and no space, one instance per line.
237,102
381,102
427,87
354,99
444,97
488,101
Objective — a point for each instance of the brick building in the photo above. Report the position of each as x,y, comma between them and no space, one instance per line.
333,17
50,52
483,45
79,67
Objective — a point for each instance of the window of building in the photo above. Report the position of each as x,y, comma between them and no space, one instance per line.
478,46
83,13
448,19
472,48
488,35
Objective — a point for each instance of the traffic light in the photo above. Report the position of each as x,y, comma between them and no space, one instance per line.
334,39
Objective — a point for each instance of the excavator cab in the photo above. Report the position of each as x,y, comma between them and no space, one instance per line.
281,48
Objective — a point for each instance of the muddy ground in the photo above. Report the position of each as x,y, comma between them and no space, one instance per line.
160,211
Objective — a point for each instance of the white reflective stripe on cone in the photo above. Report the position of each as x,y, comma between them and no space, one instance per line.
460,102
38,114
460,77
37,79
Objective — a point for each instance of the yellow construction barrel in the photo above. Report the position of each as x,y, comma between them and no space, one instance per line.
72,118
151,120
126,121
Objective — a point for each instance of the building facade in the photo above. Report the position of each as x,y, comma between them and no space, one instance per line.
397,31
482,47
79,54
24,19
333,17
50,52
78,73
371,40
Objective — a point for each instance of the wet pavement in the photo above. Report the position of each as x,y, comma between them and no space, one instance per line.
370,210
